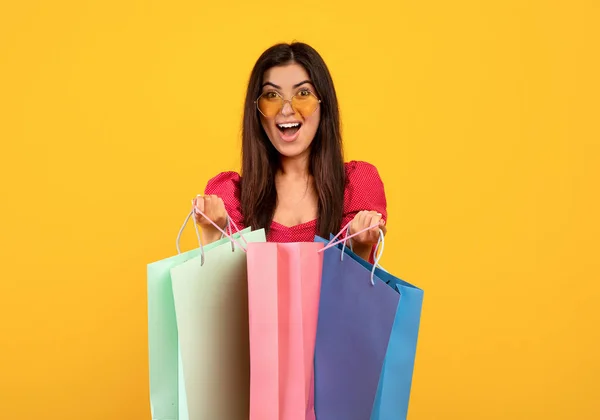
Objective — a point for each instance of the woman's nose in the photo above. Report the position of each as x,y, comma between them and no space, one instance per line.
287,108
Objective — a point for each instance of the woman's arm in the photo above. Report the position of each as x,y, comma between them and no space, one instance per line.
365,205
221,200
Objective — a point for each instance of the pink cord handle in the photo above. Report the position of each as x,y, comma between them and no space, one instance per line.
332,243
236,228
229,221
221,230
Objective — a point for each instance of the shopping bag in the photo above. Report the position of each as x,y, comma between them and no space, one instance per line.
211,309
167,396
366,340
393,392
284,282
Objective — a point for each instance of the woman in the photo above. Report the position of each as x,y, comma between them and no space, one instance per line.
294,181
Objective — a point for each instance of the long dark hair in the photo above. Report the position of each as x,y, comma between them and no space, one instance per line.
260,160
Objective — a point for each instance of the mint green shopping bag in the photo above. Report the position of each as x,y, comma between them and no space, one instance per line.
167,395
211,307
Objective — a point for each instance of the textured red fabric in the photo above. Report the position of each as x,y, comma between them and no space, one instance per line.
364,191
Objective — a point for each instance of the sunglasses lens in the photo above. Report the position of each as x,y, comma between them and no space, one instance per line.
269,105
305,103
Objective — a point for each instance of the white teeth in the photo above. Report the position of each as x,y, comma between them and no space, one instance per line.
289,125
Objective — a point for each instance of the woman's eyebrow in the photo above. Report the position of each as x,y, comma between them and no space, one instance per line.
271,84
301,83
279,87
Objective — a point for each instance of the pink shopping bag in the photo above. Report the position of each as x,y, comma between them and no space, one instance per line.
284,282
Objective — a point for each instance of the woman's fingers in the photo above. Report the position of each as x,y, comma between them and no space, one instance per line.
364,220
211,206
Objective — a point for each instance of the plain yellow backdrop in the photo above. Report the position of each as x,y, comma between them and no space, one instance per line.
481,116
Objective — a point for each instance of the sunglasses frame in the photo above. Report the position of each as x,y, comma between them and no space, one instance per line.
283,101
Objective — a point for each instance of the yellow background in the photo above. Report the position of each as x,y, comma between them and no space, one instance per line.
481,116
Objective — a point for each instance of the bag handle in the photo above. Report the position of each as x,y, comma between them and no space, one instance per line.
227,226
333,241
346,229
230,237
177,241
198,236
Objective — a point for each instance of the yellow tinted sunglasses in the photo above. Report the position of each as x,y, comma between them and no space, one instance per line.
271,103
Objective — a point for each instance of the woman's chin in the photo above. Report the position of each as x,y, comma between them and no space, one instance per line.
292,150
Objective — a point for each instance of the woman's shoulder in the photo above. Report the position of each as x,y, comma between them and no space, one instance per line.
364,189
223,181
358,172
225,185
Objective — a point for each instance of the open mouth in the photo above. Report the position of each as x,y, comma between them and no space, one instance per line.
289,129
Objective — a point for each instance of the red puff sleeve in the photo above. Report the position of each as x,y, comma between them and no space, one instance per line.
226,185
364,191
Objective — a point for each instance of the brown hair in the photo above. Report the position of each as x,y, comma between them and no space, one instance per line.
260,159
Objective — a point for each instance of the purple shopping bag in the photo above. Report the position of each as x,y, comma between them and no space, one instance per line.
354,328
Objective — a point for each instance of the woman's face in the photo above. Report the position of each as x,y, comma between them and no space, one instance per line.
291,130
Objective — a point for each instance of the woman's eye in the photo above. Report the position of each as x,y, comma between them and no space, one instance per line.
271,95
304,93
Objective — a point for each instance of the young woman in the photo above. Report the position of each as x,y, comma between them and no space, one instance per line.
294,182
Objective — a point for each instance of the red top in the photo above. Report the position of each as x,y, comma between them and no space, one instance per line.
364,191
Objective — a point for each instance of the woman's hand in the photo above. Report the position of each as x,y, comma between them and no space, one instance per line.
363,220
214,208
363,243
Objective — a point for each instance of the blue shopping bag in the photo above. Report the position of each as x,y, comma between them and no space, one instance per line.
366,340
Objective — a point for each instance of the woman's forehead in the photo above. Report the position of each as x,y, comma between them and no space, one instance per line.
286,76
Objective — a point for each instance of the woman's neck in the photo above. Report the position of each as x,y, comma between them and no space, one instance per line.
295,167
